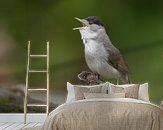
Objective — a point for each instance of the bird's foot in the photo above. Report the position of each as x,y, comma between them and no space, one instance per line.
117,81
97,75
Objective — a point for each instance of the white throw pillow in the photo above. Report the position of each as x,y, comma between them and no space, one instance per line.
71,92
103,95
142,94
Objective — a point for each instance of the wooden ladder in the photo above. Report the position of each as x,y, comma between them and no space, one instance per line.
29,70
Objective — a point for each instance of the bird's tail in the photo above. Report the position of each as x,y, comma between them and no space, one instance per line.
126,79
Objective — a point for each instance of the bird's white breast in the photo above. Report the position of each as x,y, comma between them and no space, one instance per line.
97,60
95,55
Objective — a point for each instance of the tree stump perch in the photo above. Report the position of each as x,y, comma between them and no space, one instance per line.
89,78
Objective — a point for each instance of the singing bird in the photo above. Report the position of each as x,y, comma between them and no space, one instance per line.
102,57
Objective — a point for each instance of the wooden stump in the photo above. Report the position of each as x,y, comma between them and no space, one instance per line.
89,78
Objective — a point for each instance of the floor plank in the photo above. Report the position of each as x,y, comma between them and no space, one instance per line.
2,123
21,126
30,125
18,126
13,126
5,126
39,124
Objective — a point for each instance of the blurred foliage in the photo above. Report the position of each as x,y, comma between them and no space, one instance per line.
9,105
134,26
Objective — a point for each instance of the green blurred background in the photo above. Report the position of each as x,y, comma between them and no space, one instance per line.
134,26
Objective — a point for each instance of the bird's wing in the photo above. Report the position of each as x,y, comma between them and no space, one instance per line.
115,58
118,62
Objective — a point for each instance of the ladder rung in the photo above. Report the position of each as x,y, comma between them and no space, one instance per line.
38,89
38,71
38,56
36,105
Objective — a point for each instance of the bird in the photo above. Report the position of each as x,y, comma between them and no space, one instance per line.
101,56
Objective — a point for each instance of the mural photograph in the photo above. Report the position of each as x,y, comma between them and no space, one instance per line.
81,64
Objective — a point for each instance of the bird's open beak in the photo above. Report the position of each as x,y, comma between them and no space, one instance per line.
83,21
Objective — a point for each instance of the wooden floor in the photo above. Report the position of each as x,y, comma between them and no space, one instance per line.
17,126
14,121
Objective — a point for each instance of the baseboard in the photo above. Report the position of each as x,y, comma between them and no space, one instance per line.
19,117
